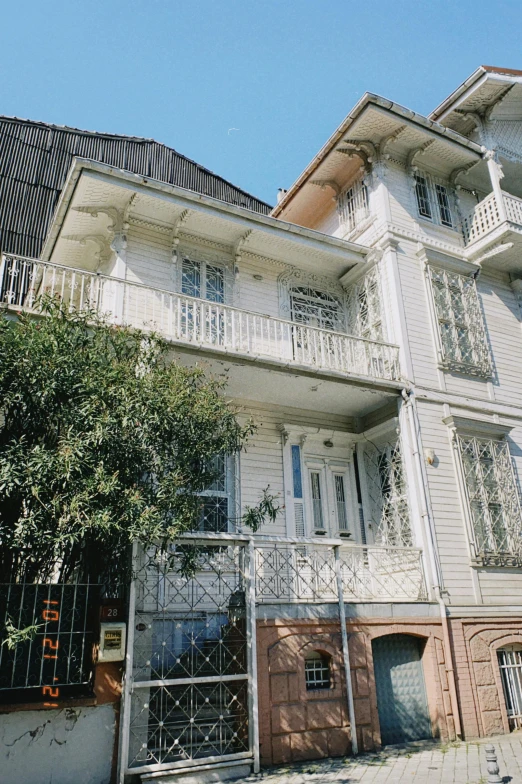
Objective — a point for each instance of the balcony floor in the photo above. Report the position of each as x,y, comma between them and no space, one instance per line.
273,383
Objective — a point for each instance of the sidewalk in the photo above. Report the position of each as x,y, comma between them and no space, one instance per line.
419,763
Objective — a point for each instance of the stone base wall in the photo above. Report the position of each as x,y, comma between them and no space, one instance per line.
475,643
297,724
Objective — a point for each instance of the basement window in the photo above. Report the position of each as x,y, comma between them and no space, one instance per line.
318,673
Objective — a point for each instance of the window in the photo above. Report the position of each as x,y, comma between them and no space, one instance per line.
433,200
340,502
316,308
387,494
317,671
216,500
317,502
510,664
493,500
352,205
203,280
462,335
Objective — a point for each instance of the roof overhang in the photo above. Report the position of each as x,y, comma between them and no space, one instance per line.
382,123
485,87
97,196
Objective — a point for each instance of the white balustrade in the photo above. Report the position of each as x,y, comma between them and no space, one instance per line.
194,321
306,572
487,216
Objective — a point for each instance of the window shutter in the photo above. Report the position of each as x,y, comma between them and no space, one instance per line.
297,479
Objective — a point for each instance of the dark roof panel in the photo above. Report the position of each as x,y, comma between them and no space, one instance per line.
35,159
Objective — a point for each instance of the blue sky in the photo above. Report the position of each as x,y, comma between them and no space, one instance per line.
283,72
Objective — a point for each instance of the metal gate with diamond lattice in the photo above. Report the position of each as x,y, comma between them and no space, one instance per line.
190,691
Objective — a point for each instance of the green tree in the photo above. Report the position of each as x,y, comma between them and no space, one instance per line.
104,440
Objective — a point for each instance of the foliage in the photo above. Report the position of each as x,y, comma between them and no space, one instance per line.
14,636
104,440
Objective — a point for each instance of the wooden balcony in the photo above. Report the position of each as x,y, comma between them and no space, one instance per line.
197,323
493,232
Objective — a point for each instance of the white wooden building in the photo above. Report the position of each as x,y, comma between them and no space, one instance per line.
371,327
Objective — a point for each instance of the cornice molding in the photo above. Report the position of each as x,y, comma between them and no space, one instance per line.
162,228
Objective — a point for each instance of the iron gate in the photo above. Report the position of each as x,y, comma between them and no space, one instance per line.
190,693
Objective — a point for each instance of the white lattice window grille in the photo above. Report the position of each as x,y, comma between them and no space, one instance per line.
493,500
388,494
203,280
218,500
434,200
314,300
316,308
510,665
318,673
365,312
352,205
462,338
317,499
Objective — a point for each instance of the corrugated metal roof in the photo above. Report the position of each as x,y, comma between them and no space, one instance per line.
35,158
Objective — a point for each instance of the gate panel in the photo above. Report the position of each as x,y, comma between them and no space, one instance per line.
401,691
187,701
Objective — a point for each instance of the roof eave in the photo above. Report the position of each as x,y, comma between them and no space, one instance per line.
337,246
383,103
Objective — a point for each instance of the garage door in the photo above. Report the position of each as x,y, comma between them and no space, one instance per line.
401,691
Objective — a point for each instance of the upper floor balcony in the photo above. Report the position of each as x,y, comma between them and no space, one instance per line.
493,230
199,324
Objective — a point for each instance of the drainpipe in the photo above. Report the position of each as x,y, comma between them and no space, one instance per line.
427,517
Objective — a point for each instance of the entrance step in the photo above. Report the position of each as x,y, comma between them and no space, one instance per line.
202,774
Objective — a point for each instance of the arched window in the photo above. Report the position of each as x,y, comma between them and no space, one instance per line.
510,664
316,308
318,671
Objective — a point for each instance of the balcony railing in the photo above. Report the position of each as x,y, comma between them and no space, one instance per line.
306,572
196,322
486,216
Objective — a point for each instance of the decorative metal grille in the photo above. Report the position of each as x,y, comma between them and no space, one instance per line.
433,200
510,664
423,196
316,308
317,671
493,499
293,573
462,333
388,494
58,660
352,205
190,664
365,315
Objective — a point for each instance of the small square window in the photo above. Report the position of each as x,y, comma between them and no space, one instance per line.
318,673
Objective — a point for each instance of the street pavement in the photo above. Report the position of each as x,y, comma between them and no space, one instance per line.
419,763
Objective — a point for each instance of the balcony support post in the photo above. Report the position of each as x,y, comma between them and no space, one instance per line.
495,174
346,653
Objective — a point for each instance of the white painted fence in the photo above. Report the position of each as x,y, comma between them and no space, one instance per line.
197,322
